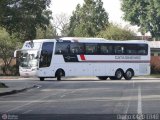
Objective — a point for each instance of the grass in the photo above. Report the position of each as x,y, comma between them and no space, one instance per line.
155,75
151,76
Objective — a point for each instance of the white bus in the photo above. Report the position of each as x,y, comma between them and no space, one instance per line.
93,57
28,58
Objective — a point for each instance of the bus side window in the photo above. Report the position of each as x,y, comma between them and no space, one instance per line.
105,49
131,49
76,48
142,49
141,52
136,49
58,49
91,48
119,50
62,48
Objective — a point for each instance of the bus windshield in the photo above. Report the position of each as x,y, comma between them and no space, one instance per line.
29,58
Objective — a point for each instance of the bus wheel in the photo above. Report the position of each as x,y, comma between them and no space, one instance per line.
41,78
102,77
119,74
59,74
129,74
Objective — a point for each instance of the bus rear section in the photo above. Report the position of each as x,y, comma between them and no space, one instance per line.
101,58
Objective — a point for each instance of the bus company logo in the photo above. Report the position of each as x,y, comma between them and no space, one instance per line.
4,116
69,57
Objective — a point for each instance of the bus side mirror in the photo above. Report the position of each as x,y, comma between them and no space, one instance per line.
15,53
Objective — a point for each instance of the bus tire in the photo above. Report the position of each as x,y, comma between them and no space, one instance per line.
119,74
41,78
59,74
129,74
102,77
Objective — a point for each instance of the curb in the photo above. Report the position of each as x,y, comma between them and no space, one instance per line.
18,91
10,77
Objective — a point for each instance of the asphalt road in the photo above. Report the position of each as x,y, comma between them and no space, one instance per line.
84,97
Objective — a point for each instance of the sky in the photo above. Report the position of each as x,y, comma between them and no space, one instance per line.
112,7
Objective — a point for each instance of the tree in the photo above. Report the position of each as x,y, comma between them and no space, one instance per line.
8,44
49,33
116,32
60,23
24,16
88,20
143,13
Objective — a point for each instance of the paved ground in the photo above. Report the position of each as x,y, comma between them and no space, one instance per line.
84,96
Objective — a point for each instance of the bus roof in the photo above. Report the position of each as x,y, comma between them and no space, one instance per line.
81,38
101,40
41,40
89,40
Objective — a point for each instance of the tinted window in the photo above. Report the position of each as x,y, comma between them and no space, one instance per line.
142,49
91,48
106,49
46,54
131,49
77,48
62,47
119,49
136,49
99,48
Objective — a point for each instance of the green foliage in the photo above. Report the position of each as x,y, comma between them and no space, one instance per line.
65,30
24,16
143,13
88,20
116,32
8,44
49,33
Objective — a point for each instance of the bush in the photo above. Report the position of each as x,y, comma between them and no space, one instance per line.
116,32
11,71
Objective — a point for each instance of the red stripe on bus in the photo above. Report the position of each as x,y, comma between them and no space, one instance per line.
82,57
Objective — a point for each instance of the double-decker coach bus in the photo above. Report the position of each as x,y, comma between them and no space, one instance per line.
93,57
28,57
